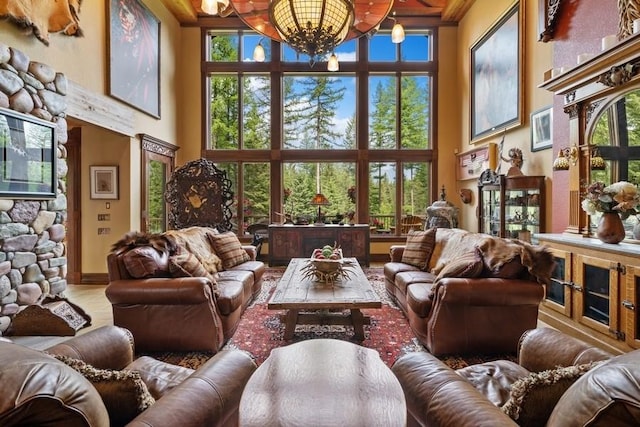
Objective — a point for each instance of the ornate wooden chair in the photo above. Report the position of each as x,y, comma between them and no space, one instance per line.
199,194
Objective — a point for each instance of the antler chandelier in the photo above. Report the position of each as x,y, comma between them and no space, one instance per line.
312,27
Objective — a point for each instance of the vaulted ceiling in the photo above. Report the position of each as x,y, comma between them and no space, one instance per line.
189,11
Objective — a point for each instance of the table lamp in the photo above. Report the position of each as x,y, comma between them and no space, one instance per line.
319,200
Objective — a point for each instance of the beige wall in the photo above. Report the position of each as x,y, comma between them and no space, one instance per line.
84,60
538,58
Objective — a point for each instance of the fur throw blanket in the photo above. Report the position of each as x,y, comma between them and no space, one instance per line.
159,242
496,252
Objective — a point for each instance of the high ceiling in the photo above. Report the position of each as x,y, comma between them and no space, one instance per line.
188,11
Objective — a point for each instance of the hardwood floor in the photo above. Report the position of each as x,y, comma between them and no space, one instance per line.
92,300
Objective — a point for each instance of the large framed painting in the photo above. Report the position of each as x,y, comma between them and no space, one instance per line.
496,77
28,151
134,55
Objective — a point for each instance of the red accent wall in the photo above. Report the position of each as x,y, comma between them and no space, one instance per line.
581,27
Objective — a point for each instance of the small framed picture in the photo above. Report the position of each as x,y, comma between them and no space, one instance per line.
541,126
104,182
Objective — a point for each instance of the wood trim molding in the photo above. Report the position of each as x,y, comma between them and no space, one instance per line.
456,9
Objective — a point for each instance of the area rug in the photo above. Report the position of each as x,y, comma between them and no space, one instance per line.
261,330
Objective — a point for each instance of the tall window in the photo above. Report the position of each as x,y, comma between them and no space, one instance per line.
286,129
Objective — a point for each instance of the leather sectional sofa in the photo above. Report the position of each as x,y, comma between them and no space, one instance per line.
182,290
557,381
39,390
466,292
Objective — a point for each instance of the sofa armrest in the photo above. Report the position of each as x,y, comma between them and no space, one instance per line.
108,347
437,396
487,291
396,251
160,290
545,348
251,250
208,397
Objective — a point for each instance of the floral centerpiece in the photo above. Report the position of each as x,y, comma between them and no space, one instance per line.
621,197
615,202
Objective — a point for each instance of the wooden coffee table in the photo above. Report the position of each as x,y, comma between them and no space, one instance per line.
309,302
323,383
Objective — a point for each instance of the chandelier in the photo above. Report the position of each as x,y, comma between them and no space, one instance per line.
313,27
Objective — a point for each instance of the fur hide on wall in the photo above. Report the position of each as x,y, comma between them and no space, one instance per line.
44,16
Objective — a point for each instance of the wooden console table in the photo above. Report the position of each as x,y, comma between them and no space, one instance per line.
299,241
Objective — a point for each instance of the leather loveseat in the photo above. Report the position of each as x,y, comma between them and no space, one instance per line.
557,381
466,292
182,290
39,390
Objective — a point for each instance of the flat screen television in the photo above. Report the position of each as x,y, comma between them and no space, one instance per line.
27,156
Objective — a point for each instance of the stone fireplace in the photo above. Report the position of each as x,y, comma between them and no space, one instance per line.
33,260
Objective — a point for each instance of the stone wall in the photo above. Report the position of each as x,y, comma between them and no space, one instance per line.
32,249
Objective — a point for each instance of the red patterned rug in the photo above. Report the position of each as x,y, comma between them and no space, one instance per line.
260,330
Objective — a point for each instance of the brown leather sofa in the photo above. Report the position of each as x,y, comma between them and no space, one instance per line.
39,390
607,395
462,309
166,312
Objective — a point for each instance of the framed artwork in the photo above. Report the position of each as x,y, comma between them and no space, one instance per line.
134,55
28,151
496,77
541,128
104,182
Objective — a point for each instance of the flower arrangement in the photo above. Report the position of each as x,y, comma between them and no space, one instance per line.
621,197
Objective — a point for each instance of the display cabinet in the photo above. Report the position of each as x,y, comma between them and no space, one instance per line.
511,206
594,291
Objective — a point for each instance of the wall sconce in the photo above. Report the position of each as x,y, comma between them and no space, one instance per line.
597,162
567,157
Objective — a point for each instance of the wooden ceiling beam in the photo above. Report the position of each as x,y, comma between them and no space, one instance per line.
183,10
456,9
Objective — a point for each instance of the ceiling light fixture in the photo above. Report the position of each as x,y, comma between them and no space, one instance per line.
333,64
258,52
313,27
397,32
214,7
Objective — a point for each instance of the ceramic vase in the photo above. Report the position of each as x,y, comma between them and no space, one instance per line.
610,228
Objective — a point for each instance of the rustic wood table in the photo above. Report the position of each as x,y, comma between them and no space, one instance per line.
310,302
323,383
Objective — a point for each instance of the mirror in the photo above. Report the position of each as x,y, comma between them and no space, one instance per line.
616,137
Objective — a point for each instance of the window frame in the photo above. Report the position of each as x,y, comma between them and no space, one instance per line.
361,155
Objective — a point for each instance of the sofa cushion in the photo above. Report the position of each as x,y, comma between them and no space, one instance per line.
467,265
186,264
419,248
124,393
145,261
229,249
533,398
419,298
159,377
493,379
608,395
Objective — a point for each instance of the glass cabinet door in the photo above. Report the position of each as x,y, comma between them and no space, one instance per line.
522,213
596,283
558,293
491,212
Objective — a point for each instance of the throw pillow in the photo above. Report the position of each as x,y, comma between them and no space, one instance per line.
186,264
146,261
419,247
533,397
229,249
124,393
469,264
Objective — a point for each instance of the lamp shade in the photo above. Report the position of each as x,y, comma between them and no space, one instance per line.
319,200
397,33
333,64
258,53
561,163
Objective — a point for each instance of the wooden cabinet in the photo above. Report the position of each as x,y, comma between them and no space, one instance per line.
299,241
511,206
594,291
